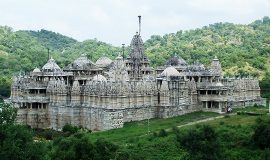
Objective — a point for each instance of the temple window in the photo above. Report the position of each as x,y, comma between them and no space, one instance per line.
43,91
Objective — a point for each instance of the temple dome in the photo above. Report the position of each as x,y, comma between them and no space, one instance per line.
51,66
176,61
82,60
196,67
81,63
119,57
99,78
36,70
103,61
170,71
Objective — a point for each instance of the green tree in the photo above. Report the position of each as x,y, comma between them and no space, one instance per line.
261,136
201,143
16,140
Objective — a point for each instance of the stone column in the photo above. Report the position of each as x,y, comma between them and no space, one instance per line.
191,99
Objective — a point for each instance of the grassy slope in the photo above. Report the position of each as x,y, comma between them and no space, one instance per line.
235,131
140,128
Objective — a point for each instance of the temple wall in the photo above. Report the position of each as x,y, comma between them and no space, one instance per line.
108,112
99,107
36,118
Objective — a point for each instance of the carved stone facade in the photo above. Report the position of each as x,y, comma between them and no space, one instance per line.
83,94
137,63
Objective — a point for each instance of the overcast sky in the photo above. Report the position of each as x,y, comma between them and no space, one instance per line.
116,21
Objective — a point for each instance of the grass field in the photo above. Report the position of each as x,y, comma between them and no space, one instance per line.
227,137
259,109
139,129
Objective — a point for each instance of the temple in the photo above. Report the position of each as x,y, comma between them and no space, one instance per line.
106,94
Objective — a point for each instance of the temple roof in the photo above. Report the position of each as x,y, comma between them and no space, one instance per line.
215,59
82,63
51,66
36,70
103,61
176,62
216,66
137,49
196,67
170,71
119,57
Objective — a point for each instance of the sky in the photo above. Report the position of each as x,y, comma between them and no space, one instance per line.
116,21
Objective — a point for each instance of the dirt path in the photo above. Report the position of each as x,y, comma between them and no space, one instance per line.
191,123
204,120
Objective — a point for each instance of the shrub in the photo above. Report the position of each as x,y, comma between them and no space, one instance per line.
79,135
131,140
201,143
175,130
162,133
261,136
221,122
70,129
89,131
155,134
259,120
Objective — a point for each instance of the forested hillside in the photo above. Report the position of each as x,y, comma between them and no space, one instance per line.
22,51
234,44
241,49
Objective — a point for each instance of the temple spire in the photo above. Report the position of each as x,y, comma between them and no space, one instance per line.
139,25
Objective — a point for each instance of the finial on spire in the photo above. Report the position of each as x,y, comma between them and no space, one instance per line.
139,25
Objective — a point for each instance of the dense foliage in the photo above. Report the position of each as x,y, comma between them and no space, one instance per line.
241,49
79,146
16,141
230,42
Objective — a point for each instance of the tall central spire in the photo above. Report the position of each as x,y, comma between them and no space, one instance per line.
139,25
137,58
